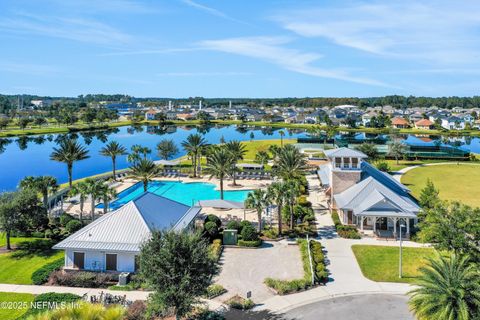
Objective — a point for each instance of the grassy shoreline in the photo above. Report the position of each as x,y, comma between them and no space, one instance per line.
15,132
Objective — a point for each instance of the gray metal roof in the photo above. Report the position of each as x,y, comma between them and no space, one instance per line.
371,195
127,227
224,204
249,165
167,162
344,153
384,178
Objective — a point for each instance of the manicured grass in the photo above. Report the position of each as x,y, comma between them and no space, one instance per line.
13,311
17,267
408,163
255,146
380,263
13,240
459,182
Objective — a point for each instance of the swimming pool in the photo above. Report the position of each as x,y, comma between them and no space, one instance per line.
186,193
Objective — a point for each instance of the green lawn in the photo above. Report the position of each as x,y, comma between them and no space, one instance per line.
456,182
255,146
13,240
17,267
11,313
408,163
380,263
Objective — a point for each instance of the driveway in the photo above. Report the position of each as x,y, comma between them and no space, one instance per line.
245,270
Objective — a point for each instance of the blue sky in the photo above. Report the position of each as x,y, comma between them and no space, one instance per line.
247,48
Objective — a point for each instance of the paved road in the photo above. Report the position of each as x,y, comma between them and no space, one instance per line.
359,307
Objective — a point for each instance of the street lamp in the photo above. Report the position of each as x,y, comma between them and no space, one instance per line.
400,258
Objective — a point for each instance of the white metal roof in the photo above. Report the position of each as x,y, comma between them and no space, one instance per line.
344,153
224,204
127,227
167,162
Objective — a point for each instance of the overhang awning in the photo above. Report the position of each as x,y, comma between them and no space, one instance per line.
387,214
167,162
221,204
249,166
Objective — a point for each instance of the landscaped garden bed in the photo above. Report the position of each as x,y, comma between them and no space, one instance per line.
344,231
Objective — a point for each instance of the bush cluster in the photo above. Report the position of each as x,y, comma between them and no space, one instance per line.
250,243
73,226
318,259
82,279
216,248
344,231
234,225
248,232
237,302
51,297
215,290
287,286
211,229
136,311
41,275
270,233
213,218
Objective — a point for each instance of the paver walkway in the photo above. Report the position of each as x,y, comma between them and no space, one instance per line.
346,276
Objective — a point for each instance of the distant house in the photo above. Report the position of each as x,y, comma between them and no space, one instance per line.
185,116
453,123
424,124
414,117
367,117
399,123
150,114
365,197
112,243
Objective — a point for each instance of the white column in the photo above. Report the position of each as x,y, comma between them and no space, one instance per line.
394,226
407,220
361,223
374,224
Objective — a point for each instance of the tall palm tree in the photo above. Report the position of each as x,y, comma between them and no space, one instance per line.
41,184
80,189
449,288
278,191
219,163
281,133
69,151
257,199
290,162
94,188
106,195
291,192
166,148
194,145
144,170
113,149
28,182
141,150
262,157
237,151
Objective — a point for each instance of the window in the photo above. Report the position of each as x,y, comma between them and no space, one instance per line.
355,163
338,162
111,262
346,162
79,260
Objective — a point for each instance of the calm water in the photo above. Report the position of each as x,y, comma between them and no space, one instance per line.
186,193
20,157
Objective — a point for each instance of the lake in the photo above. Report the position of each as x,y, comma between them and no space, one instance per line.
30,155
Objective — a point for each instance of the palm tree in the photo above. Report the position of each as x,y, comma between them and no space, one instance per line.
44,184
262,157
94,188
396,150
80,189
281,133
28,182
237,151
194,145
144,151
449,288
258,200
290,162
68,152
144,170
112,150
107,194
291,192
278,192
219,163
166,148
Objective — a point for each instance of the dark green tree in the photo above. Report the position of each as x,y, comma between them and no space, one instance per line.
429,196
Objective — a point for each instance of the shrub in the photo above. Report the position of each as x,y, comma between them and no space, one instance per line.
215,219
243,224
216,248
52,298
84,279
318,258
65,218
249,233
215,290
237,302
335,218
206,314
302,201
250,244
234,225
344,231
287,286
211,229
136,311
41,275
383,166
270,233
73,226
38,234
349,234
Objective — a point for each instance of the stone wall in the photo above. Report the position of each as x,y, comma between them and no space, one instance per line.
342,180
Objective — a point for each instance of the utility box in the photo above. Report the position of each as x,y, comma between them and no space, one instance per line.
123,278
230,237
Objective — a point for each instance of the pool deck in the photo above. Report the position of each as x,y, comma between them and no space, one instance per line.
225,215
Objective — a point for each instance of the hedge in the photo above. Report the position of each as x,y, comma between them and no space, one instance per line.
52,298
84,279
215,290
41,275
250,244
216,249
344,231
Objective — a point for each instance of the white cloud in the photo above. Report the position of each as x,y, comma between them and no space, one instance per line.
273,50
211,10
77,29
435,31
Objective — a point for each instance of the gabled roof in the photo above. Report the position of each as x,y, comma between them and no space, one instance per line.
127,227
384,178
370,196
424,122
344,153
399,121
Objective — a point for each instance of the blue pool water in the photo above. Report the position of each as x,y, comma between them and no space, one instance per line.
186,193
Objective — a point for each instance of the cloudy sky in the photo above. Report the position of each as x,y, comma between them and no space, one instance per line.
243,48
